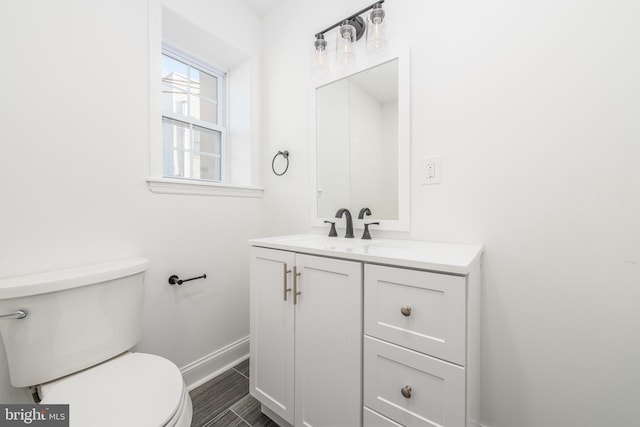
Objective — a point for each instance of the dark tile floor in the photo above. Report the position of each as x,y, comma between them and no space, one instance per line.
225,401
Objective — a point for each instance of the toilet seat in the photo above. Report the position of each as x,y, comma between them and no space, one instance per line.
133,389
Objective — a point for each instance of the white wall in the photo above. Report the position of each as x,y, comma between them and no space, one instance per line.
534,109
74,115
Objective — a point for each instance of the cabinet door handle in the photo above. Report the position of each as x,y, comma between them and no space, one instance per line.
284,281
406,391
295,285
406,311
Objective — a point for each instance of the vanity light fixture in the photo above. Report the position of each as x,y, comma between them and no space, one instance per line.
350,30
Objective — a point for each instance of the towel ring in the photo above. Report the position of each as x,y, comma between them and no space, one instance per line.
284,154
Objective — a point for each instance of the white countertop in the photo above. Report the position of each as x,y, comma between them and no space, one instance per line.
447,257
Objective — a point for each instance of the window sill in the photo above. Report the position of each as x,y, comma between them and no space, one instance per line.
201,188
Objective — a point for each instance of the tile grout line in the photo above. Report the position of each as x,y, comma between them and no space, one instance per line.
219,416
238,415
240,373
228,409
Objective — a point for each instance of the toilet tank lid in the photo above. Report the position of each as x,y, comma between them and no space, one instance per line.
58,280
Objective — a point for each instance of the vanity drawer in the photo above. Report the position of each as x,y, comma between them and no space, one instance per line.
437,389
373,419
419,310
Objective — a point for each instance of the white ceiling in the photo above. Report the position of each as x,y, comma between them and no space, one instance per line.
262,7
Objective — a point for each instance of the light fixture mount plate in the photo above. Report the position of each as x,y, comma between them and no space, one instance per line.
358,24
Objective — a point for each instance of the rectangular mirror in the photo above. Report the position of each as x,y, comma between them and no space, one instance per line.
362,144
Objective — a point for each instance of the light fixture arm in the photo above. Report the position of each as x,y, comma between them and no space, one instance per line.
350,19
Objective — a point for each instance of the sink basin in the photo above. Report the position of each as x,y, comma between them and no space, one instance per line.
327,243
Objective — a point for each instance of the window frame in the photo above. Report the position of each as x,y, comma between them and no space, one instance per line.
222,127
168,28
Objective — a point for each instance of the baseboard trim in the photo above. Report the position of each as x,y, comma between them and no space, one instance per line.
212,365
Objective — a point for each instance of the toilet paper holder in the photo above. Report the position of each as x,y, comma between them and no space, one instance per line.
175,280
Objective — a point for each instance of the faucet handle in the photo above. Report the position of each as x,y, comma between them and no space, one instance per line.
332,232
366,235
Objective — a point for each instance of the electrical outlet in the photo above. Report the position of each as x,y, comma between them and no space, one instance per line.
431,170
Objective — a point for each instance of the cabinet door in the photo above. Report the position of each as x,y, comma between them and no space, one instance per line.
328,342
272,331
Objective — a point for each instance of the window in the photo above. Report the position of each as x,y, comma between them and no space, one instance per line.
204,134
194,133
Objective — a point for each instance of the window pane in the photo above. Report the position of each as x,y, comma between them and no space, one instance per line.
208,86
176,138
204,89
190,97
174,85
207,153
194,81
204,109
170,65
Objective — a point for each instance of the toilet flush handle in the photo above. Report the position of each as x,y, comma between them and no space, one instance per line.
18,314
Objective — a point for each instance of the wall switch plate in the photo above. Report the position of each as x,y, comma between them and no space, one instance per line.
431,170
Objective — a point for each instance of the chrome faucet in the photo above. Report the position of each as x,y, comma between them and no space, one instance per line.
343,211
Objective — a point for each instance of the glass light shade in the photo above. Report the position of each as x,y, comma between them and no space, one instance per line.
320,62
376,32
345,48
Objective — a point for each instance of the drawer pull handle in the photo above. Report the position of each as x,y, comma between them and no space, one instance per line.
406,311
406,391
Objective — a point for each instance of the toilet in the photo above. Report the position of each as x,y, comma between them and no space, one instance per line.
68,336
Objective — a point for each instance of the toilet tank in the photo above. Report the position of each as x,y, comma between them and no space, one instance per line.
76,318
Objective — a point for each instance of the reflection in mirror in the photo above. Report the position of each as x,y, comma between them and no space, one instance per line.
357,143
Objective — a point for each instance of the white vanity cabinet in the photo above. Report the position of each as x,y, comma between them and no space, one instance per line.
306,328
383,332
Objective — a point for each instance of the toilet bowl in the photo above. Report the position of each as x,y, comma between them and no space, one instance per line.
68,336
135,389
